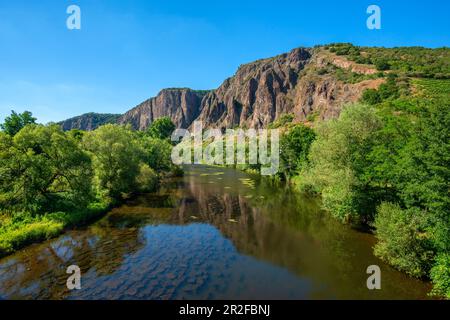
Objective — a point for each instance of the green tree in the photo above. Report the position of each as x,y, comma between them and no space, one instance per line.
382,64
16,121
41,167
161,128
294,149
157,153
338,159
371,96
116,158
147,179
404,239
440,275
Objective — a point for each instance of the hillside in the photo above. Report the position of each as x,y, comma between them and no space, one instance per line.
89,121
307,83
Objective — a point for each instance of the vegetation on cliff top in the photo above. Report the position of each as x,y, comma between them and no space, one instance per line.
412,61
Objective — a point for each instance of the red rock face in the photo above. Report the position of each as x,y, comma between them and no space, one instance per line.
259,93
181,105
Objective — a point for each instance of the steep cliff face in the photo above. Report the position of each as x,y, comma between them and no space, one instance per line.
321,93
181,105
306,82
258,94
294,83
89,121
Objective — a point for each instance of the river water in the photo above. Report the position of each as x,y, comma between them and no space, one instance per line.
213,234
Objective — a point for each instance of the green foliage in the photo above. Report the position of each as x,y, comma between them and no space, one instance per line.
284,120
348,76
371,96
394,155
46,177
382,64
403,239
116,157
161,128
345,75
16,121
387,90
157,153
25,229
41,167
337,161
294,149
431,88
411,61
344,49
147,180
440,275
90,120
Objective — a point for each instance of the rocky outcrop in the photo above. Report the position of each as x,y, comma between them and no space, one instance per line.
89,121
303,82
258,93
181,105
262,91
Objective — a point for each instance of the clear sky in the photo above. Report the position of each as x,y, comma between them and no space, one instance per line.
126,51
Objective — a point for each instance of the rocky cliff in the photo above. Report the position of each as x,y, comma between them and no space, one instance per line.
306,82
303,82
89,121
181,105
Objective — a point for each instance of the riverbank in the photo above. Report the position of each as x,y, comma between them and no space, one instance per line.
25,229
215,233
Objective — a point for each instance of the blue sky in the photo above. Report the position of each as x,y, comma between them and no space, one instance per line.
126,51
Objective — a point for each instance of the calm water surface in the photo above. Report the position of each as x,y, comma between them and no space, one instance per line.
213,234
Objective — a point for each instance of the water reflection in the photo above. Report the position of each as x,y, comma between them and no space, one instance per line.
213,234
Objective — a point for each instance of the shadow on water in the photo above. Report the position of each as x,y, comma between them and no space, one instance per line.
213,234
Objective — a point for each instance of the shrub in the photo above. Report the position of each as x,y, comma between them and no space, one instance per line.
382,65
42,166
157,153
371,97
116,157
147,180
161,128
338,160
440,275
403,240
294,149
16,122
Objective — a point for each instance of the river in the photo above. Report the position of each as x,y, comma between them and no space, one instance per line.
213,234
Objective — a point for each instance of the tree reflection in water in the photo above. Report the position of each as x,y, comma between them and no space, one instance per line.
215,233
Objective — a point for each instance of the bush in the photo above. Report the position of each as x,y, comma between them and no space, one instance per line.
440,275
41,166
382,65
338,160
116,157
403,239
147,180
294,149
371,97
16,122
157,153
161,128
15,238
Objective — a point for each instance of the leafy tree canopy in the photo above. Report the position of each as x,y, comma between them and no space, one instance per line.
16,121
161,128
